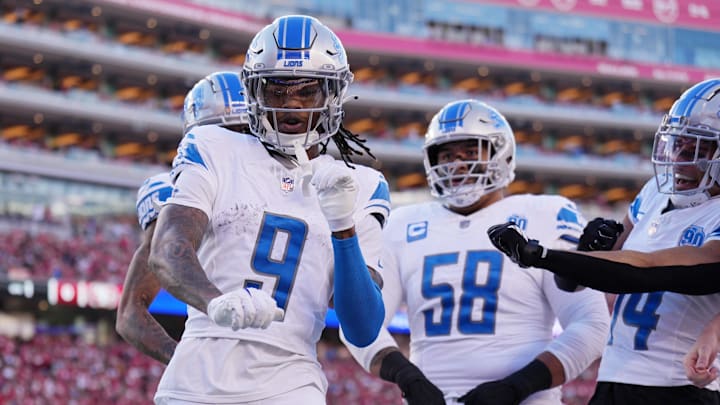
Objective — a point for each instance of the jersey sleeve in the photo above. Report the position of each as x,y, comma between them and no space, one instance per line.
636,208
393,298
713,235
153,193
369,235
374,196
194,175
585,319
569,224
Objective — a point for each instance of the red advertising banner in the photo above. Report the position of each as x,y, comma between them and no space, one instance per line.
83,294
698,14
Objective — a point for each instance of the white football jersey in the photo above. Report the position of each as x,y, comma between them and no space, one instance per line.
474,315
263,232
154,191
652,332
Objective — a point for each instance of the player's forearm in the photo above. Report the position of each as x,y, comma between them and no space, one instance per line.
173,257
358,300
134,323
377,360
621,278
181,274
141,329
344,234
677,256
554,366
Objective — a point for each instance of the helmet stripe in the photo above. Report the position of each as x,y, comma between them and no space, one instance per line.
294,37
687,103
224,89
232,89
452,116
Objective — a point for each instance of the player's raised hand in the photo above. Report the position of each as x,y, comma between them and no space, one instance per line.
244,308
337,193
600,234
511,240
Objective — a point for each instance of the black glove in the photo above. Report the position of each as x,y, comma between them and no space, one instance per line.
600,234
415,387
512,389
511,240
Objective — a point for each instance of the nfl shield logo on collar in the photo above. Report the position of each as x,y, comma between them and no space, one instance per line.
287,184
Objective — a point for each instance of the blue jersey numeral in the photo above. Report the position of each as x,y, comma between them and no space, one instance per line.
277,253
471,290
645,319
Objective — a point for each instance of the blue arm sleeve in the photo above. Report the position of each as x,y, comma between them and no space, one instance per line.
358,300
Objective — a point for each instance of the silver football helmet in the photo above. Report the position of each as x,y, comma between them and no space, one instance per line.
461,183
686,150
295,53
216,99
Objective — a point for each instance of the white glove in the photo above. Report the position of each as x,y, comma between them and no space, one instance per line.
243,308
337,192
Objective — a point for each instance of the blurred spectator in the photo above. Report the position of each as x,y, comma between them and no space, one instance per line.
95,252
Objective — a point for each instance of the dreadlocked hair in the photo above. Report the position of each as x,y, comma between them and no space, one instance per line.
341,138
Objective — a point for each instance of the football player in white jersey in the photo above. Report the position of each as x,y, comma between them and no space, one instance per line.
271,213
674,221
479,333
215,99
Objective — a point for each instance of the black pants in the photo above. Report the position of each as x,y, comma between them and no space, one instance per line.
608,393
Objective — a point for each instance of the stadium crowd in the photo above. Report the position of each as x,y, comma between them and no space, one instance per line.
69,368
95,251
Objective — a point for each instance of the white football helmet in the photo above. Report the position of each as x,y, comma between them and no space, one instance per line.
687,142
494,167
289,50
216,99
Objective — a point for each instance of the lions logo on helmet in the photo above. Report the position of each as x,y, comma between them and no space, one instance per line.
216,99
295,53
494,166
686,150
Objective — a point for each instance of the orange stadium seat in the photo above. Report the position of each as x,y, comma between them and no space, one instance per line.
65,139
524,186
362,126
618,194
412,180
576,191
663,104
21,131
369,74
474,85
574,95
515,88
176,101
